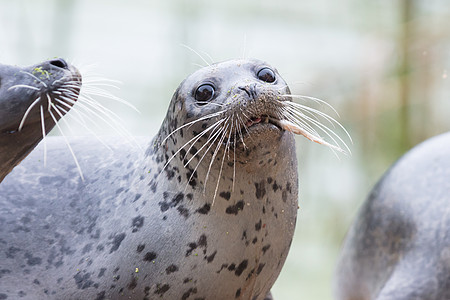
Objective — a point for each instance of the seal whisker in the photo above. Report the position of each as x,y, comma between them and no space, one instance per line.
198,54
68,145
44,141
81,122
49,101
193,122
25,115
223,159
213,158
211,140
114,120
29,74
23,86
197,137
325,128
298,118
182,147
313,136
91,90
219,144
317,100
78,110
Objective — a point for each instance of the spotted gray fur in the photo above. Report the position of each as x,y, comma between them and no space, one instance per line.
144,225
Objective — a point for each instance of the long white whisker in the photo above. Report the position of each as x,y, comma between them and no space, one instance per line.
68,146
23,86
192,122
43,135
198,54
25,115
29,74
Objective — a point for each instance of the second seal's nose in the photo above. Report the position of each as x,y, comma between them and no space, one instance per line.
60,63
250,90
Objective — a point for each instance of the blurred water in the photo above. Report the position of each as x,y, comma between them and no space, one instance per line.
345,52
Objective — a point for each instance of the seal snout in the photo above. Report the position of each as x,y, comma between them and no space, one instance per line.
250,90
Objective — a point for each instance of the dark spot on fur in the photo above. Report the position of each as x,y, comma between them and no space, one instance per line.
289,187
232,267
150,256
269,180
242,266
137,223
140,248
238,293
160,290
258,225
117,241
284,196
202,241
12,252
87,248
255,240
133,283
260,268
183,211
3,296
102,272
265,248
83,281
171,269
136,198
101,296
32,261
188,293
165,205
275,186
225,195
186,280
204,210
36,282
211,257
234,209
260,189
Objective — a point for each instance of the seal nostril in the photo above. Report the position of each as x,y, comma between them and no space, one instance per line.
245,90
60,63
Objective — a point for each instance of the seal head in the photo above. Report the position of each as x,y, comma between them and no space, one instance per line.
28,100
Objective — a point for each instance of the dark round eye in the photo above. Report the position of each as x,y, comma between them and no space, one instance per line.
204,93
266,74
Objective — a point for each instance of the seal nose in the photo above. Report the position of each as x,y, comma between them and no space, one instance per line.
250,90
59,63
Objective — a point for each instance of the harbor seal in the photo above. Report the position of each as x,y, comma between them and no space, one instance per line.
399,246
207,211
28,106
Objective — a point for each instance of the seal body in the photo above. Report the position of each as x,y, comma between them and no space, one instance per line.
399,246
26,99
205,212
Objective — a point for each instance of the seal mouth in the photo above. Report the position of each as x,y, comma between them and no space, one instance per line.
254,125
260,120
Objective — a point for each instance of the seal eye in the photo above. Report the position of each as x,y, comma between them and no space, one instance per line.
266,74
204,93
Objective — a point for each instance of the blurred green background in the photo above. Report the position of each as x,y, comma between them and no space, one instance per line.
382,64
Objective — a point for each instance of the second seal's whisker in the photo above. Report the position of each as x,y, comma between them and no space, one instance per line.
43,135
68,145
25,115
